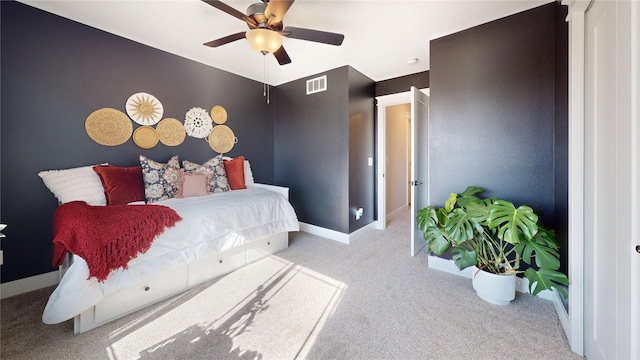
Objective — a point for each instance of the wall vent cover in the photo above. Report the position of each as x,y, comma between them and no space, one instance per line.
317,84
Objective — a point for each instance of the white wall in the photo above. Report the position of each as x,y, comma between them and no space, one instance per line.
397,156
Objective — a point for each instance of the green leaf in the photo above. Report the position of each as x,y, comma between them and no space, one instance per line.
468,196
472,190
464,258
451,202
545,279
442,215
542,249
426,218
512,223
479,210
436,240
459,226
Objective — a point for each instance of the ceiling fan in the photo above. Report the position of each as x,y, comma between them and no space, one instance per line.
266,28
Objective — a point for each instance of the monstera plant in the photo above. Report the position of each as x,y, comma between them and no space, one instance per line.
495,236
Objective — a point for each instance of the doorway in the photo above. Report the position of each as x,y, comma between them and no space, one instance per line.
398,147
405,170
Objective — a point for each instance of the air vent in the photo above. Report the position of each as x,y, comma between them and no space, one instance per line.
317,84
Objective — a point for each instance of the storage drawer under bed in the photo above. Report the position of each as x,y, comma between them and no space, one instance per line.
144,293
266,246
216,265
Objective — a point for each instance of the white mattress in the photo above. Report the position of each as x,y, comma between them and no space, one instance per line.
209,224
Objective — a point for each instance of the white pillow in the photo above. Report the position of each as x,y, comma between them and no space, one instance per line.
248,174
81,183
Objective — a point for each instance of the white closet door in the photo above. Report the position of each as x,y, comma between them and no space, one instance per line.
611,290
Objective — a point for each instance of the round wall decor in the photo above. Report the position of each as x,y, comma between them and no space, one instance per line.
109,127
197,123
171,132
144,109
222,139
218,114
145,137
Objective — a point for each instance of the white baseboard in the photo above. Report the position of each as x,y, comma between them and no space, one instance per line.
522,284
399,211
563,315
25,285
332,234
446,265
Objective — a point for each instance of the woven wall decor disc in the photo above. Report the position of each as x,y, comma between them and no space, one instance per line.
197,123
171,132
109,127
144,108
218,114
145,137
222,139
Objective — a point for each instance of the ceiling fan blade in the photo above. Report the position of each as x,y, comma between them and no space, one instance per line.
277,8
231,11
313,35
226,39
282,56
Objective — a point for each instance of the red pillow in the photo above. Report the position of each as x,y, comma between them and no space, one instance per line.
235,172
122,185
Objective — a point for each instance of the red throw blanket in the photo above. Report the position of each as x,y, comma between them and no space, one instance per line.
107,237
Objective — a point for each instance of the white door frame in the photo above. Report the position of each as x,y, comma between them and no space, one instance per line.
420,180
575,328
382,103
628,345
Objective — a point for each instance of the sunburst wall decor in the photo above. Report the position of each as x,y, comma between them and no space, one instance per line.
144,109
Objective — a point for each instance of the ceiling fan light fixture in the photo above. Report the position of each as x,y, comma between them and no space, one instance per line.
264,40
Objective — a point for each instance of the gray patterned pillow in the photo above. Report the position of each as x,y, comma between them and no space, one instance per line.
160,180
214,169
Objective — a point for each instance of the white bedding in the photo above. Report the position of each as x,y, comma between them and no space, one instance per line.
209,224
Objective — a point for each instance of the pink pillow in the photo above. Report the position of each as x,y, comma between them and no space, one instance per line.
192,185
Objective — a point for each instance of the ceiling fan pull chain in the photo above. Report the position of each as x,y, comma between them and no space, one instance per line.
265,85
264,69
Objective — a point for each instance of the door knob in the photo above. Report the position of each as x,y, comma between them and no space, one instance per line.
638,249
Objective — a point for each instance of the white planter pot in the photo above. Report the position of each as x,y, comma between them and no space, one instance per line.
494,288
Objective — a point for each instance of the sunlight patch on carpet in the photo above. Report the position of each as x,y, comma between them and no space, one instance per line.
270,309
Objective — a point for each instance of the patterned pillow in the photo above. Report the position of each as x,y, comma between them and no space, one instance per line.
214,169
160,180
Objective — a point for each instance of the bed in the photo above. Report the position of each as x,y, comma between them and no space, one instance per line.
218,233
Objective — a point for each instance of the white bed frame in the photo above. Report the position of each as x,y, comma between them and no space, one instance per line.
176,281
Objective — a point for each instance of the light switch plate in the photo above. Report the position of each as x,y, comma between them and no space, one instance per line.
370,161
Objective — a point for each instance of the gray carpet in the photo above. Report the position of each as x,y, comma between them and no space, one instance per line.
318,299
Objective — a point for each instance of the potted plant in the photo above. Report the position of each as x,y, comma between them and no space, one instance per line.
495,237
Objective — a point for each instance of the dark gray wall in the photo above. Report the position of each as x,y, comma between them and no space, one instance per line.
561,136
312,149
402,83
55,72
361,147
320,153
493,117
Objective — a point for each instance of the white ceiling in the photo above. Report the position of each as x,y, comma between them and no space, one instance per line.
380,35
